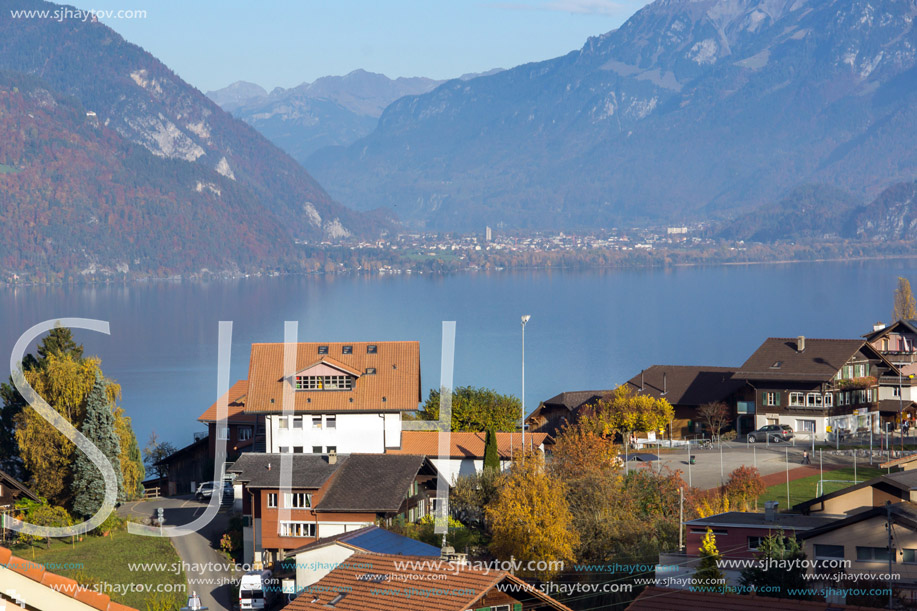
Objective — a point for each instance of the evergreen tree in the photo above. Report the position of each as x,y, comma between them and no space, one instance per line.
59,342
99,428
708,577
491,457
779,572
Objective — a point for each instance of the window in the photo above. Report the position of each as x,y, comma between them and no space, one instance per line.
332,449
297,422
297,529
282,422
873,554
371,349
223,432
284,449
272,499
829,400
245,433
859,371
316,422
771,399
828,552
805,426
316,449
297,449
847,371
797,399
341,382
347,350
884,344
813,399
716,531
500,608
323,349
297,500
897,391
910,556
754,543
331,422
370,371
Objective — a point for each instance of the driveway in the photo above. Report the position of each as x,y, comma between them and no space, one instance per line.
206,568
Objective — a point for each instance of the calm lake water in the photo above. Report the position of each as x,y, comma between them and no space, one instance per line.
589,330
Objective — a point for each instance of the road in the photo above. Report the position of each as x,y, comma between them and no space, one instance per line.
198,549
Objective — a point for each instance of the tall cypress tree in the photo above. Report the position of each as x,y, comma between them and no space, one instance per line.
491,457
99,427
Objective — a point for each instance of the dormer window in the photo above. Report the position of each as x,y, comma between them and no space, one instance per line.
341,382
371,349
777,365
347,350
370,371
323,349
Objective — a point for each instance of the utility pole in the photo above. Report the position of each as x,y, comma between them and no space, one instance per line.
891,551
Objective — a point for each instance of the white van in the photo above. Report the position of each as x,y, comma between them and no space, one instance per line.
257,590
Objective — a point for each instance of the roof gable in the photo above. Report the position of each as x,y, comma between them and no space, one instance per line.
779,359
686,385
374,483
235,400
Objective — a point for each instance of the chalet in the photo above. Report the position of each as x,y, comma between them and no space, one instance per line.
815,385
315,560
241,432
186,468
376,582
327,495
465,453
553,414
688,388
893,487
342,397
11,490
897,342
27,585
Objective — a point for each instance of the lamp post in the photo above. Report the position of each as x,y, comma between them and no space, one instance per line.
525,319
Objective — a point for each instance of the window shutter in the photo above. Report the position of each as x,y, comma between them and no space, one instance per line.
287,499
517,606
777,400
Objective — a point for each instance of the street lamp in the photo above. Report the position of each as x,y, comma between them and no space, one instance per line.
525,319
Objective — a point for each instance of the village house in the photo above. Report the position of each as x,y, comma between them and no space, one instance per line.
328,494
816,386
376,582
465,453
241,432
893,487
553,414
343,397
11,490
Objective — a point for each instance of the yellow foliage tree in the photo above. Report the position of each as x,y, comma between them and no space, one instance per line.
905,307
531,521
581,448
626,411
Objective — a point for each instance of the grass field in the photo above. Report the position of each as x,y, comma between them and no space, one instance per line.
804,489
104,560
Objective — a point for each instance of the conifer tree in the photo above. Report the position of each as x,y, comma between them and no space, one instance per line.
59,342
491,457
99,428
709,577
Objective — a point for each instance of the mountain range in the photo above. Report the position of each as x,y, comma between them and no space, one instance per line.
331,111
692,110
135,169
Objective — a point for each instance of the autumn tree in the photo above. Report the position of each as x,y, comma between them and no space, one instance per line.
98,427
745,485
530,519
904,304
154,452
708,576
626,411
132,470
476,410
716,416
471,494
581,448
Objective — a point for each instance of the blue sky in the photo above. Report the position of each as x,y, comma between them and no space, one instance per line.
286,42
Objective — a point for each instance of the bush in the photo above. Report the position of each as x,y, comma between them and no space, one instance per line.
729,436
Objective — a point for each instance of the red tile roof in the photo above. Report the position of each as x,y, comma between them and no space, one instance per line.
664,599
374,582
395,385
236,400
467,445
63,585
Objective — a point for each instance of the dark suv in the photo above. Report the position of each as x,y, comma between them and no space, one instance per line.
205,491
773,432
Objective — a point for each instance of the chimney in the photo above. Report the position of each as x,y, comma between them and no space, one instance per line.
332,457
770,510
878,326
801,343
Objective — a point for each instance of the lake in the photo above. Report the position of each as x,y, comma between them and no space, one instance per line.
589,329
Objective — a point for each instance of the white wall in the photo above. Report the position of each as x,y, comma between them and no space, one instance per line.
353,433
314,564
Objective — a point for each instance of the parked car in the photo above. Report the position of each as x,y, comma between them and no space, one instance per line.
257,590
772,432
205,490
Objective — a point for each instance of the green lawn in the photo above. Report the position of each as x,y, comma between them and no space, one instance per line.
804,489
105,560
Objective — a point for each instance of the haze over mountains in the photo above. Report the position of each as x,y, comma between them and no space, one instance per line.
692,110
333,110
173,182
